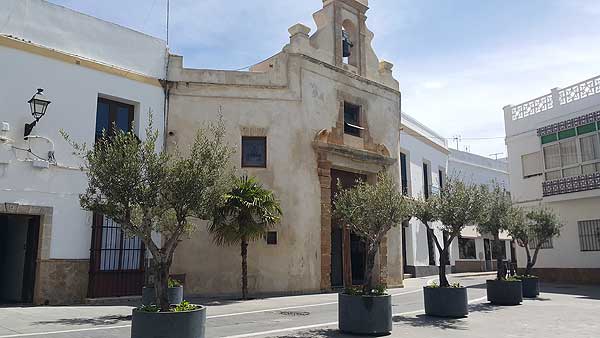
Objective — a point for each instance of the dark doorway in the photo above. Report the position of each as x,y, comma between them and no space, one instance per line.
356,258
404,227
19,237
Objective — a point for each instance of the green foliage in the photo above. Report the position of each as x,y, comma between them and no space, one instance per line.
459,204
370,211
248,211
184,306
435,285
543,225
353,291
174,283
146,190
378,290
498,212
149,308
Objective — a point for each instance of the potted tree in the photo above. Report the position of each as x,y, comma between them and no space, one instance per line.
499,215
174,293
532,232
369,211
152,192
247,213
457,205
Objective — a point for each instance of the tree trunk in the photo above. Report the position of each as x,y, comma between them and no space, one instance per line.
368,284
161,283
501,271
442,270
244,249
529,266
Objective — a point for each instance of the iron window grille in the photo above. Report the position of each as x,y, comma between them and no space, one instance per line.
589,235
546,245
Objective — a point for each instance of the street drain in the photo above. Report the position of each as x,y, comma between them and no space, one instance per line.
294,313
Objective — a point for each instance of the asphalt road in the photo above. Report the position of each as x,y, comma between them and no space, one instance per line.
231,319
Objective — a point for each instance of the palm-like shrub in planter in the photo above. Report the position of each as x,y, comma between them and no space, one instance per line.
457,205
532,231
499,216
370,211
248,212
148,191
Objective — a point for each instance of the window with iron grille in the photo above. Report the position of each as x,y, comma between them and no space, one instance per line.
589,235
546,245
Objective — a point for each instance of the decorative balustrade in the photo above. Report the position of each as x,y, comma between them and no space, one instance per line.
571,184
532,107
560,97
579,91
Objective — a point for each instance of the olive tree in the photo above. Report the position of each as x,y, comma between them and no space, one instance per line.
148,191
457,205
535,227
498,217
370,211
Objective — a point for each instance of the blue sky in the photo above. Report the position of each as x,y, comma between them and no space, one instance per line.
458,61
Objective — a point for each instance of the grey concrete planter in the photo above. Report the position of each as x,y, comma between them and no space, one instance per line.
501,292
189,324
366,315
446,302
174,294
531,287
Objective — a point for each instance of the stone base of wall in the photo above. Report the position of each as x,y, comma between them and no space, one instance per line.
61,282
566,275
425,270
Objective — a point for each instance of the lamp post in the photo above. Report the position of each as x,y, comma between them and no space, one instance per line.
38,105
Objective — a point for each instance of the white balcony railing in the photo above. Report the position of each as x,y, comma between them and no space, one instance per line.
560,97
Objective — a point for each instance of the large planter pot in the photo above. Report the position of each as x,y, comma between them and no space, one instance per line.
446,302
174,294
501,292
531,287
366,315
189,324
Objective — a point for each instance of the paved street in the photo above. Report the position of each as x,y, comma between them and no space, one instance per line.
316,316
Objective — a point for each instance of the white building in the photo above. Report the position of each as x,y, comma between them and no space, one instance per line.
473,251
423,164
554,151
95,73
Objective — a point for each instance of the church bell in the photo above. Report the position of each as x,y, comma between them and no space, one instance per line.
346,44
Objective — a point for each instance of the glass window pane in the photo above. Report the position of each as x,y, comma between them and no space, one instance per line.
568,152
590,148
101,118
590,168
254,152
553,175
552,156
570,172
122,121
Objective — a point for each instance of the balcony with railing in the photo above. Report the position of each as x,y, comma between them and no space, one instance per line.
557,98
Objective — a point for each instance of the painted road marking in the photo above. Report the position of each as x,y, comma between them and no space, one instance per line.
65,331
293,307
306,327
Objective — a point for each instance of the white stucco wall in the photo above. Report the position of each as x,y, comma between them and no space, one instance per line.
56,27
420,144
74,91
521,138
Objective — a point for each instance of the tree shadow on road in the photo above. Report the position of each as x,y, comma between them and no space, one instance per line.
428,321
104,320
321,333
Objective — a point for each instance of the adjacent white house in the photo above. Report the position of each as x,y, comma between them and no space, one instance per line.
472,251
423,165
554,161
95,73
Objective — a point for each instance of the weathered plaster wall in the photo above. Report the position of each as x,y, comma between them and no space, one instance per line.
289,98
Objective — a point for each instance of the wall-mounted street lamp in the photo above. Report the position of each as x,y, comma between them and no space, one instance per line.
38,104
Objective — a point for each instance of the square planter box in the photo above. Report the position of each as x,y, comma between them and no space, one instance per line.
365,315
446,302
501,292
